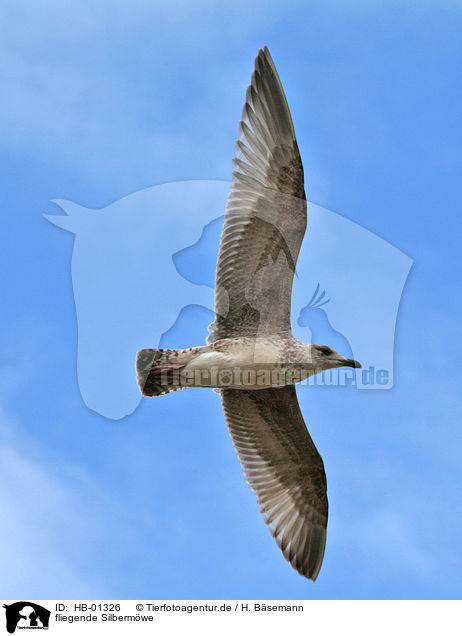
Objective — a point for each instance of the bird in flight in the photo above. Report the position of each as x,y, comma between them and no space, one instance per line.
251,357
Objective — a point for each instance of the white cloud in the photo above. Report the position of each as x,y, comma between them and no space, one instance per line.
54,522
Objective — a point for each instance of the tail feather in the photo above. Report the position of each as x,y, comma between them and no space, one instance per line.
156,375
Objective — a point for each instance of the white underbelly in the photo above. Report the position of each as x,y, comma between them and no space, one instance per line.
252,368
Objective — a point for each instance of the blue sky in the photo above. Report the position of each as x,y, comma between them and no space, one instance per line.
104,100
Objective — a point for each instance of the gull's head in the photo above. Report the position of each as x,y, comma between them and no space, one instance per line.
323,357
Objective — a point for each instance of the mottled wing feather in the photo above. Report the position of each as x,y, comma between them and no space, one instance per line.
265,217
284,469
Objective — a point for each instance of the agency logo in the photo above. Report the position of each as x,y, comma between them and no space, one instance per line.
26,615
143,275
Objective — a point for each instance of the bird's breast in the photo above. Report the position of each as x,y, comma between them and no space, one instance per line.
244,364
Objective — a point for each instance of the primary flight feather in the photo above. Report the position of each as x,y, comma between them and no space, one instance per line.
251,357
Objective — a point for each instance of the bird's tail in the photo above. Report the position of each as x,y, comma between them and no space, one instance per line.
158,371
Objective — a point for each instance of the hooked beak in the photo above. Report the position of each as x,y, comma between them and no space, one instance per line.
351,363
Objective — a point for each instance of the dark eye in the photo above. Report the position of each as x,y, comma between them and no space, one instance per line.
326,350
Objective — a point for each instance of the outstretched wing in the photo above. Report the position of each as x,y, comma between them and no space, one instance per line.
265,217
284,469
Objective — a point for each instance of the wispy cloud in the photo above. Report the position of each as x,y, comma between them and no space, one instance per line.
43,512
125,95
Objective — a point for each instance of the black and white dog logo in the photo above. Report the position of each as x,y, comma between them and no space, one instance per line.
26,615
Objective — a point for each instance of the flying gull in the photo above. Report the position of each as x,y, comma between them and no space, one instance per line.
251,357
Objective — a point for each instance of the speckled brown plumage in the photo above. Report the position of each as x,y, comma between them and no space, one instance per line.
264,225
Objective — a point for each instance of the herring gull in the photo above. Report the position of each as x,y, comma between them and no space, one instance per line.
251,357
